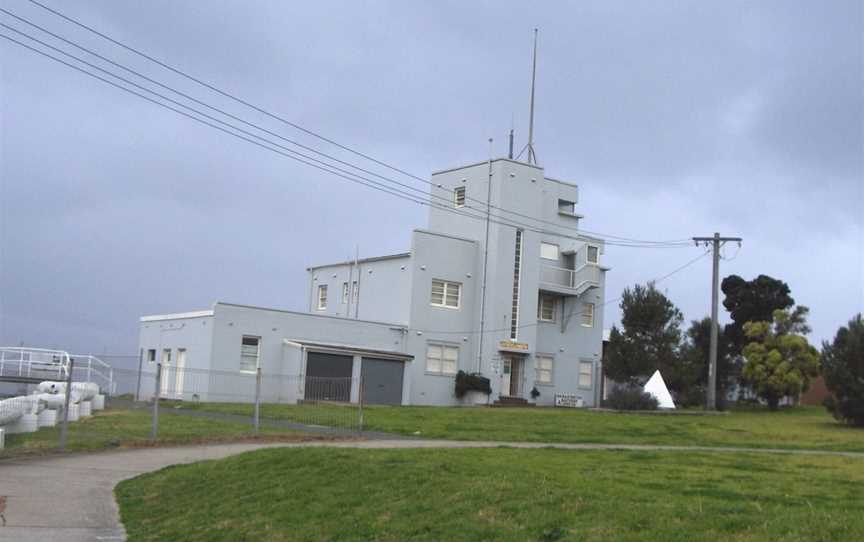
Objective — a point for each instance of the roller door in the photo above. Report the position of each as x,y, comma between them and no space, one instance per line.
382,381
328,377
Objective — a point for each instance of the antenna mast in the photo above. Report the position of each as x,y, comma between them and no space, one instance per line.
532,157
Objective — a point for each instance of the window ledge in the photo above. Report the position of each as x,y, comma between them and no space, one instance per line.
448,375
571,215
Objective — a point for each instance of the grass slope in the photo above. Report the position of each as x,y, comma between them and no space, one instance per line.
497,494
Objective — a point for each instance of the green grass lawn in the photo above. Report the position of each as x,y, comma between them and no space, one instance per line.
799,427
123,428
498,494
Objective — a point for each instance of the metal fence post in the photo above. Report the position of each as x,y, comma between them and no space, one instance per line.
360,424
257,416
65,425
155,429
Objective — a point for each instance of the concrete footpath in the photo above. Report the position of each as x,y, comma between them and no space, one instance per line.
71,497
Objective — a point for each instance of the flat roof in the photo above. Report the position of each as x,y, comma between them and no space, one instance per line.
363,260
176,316
394,325
350,348
475,164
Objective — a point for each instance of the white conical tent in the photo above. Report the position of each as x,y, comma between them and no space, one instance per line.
656,387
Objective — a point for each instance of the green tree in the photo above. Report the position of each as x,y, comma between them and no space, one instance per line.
843,369
694,363
779,360
751,301
649,339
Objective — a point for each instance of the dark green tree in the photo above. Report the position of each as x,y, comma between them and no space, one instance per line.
843,369
649,339
751,301
694,363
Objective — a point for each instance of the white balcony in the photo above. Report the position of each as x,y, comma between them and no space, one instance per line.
571,281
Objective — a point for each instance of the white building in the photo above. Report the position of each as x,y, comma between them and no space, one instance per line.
408,322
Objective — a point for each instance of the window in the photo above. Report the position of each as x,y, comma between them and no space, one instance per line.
446,294
344,293
442,359
543,369
517,275
151,355
459,196
166,356
588,315
546,308
355,295
593,254
322,297
548,251
586,369
566,207
249,350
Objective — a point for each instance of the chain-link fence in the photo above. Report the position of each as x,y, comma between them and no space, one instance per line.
173,404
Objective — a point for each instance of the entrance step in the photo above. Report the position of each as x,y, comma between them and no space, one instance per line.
505,401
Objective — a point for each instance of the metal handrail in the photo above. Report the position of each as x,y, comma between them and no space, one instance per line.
23,357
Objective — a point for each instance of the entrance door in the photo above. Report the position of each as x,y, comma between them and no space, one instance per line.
180,370
516,377
506,376
165,377
511,378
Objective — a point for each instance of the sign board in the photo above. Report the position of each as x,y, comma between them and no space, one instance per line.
512,345
568,400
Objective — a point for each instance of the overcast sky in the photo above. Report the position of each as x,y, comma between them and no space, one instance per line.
675,119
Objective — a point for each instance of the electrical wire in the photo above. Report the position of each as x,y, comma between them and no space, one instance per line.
265,143
261,110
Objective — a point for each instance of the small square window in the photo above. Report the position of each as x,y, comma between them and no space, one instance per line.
586,370
543,369
546,306
588,315
442,359
548,251
446,294
166,356
151,355
566,207
593,254
459,196
322,297
250,347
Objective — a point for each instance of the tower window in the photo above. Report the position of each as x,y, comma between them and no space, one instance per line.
459,196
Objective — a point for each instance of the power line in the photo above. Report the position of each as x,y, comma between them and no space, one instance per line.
314,134
305,159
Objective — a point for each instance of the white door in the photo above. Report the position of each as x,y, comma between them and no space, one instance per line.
179,369
165,378
505,377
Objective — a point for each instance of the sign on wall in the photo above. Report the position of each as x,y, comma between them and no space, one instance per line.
512,345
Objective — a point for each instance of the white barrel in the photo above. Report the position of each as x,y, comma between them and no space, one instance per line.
99,402
73,412
27,423
86,409
47,418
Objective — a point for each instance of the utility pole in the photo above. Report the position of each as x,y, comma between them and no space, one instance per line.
715,242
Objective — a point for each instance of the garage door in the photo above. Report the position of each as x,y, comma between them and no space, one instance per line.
328,377
382,381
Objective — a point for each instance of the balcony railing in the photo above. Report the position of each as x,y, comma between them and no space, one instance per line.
578,280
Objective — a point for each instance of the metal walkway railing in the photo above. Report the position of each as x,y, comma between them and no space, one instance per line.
33,365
